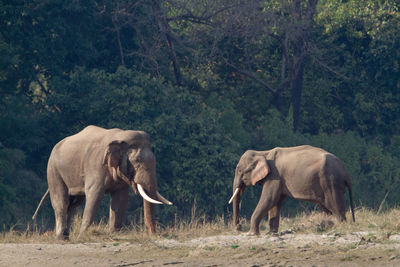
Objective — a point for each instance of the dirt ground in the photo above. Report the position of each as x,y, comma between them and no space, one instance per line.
287,249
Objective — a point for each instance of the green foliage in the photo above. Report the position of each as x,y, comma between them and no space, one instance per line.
17,187
366,40
21,146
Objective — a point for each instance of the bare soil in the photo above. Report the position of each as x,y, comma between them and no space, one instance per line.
287,249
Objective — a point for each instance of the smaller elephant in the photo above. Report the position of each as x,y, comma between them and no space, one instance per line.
302,172
98,161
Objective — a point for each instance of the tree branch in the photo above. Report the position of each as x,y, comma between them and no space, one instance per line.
166,31
189,16
251,76
322,64
121,51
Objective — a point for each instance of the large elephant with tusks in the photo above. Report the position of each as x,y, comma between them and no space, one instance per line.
97,161
302,172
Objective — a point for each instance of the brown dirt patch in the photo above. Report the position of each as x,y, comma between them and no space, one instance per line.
289,249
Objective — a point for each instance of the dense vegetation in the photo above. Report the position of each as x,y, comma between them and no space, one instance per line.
207,80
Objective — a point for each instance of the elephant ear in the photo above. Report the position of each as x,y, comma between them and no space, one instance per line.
113,154
260,170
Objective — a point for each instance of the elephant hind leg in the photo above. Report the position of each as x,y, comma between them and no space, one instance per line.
62,231
335,204
60,201
324,209
274,215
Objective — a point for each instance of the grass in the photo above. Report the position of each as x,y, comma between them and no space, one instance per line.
377,227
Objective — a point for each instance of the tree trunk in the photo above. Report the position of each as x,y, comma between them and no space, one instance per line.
300,36
166,32
297,88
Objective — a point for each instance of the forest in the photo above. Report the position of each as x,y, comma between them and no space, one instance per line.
207,80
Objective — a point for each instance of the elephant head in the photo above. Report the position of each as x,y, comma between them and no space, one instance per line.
128,157
251,169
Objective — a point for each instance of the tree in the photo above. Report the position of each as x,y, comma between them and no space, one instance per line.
364,39
248,35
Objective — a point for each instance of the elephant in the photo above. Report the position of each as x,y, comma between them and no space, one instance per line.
95,162
302,172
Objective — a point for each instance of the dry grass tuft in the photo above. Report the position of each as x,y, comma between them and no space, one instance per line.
195,227
366,220
32,234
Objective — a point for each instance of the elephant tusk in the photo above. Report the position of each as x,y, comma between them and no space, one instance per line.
163,199
134,187
234,195
145,196
126,180
114,173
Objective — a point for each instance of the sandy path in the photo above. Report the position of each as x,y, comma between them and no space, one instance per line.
355,249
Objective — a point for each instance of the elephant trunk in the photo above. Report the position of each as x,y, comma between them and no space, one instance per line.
236,209
147,188
148,209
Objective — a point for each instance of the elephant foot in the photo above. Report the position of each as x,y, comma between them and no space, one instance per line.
288,231
252,233
238,227
62,238
113,229
271,233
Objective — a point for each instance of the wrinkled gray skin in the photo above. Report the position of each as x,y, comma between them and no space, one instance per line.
82,165
303,172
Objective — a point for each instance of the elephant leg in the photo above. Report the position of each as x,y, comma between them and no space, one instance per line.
93,199
274,215
59,201
269,198
324,209
335,203
74,203
62,231
118,206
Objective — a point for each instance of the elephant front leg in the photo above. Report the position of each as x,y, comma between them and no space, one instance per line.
93,199
269,198
118,207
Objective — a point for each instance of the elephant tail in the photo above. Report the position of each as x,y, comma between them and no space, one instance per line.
40,204
351,200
